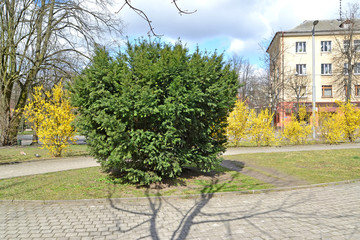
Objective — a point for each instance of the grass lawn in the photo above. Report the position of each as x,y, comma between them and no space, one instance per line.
312,166
92,183
12,154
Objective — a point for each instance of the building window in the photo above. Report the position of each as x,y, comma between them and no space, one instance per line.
302,91
326,69
346,45
326,46
345,90
357,45
357,68
357,90
327,90
346,69
300,47
301,69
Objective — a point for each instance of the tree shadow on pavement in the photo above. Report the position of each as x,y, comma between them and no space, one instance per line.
230,216
155,205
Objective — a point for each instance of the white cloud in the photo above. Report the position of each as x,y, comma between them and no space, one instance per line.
236,46
234,26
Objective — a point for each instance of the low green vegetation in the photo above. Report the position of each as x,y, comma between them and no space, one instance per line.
17,153
312,166
92,183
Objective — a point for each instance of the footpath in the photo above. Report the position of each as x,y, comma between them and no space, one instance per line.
62,164
329,212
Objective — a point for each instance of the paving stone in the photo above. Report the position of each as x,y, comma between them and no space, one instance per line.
330,212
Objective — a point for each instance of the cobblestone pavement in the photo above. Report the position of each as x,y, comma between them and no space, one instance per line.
331,212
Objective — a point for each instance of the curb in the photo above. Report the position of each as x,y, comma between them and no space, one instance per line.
190,196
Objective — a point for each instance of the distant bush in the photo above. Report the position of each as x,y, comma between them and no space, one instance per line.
260,130
238,122
297,130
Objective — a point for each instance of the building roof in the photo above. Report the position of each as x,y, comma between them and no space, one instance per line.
325,27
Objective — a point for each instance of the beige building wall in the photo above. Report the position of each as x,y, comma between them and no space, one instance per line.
285,48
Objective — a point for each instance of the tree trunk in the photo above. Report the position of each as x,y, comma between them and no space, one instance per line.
11,119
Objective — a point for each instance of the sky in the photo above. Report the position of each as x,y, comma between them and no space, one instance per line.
232,27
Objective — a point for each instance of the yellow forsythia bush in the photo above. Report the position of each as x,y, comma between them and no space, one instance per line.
297,130
331,126
51,114
260,130
351,120
238,122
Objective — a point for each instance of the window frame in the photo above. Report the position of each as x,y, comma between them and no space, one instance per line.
357,90
305,91
324,88
302,68
346,69
325,46
357,45
346,45
329,65
357,69
302,45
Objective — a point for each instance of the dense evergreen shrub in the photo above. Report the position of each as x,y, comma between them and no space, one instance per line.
155,108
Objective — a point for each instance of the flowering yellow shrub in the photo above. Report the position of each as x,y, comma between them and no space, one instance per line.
260,129
351,120
51,114
297,129
331,126
238,122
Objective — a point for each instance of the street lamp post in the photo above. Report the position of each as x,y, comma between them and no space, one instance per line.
313,80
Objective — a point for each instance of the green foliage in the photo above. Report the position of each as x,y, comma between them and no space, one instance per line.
260,129
297,130
154,109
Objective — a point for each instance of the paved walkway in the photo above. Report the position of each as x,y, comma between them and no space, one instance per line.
331,212
292,148
45,166
39,167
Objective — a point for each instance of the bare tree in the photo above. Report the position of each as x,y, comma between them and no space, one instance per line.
296,87
42,37
273,80
35,36
144,16
346,55
246,75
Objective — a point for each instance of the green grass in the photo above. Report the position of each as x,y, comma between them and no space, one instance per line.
91,183
312,166
26,133
12,154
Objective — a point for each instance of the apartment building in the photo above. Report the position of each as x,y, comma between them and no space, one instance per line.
292,57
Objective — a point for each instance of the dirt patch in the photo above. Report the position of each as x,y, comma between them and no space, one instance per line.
191,179
264,174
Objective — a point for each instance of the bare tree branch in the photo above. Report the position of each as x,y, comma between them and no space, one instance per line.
144,16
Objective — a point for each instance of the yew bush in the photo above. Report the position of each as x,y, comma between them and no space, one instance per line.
154,109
